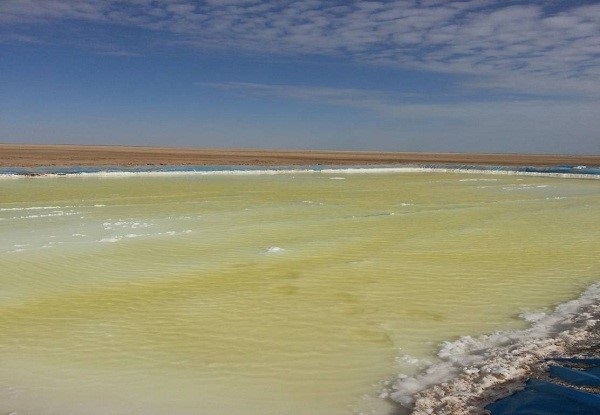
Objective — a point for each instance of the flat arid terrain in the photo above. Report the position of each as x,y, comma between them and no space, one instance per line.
17,155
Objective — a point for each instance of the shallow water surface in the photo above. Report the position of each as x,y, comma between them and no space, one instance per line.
269,294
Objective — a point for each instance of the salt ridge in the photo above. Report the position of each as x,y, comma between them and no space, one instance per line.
327,171
475,371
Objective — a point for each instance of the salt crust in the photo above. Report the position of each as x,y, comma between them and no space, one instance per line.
473,372
256,172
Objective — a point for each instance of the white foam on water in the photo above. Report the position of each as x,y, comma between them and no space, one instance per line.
337,178
474,371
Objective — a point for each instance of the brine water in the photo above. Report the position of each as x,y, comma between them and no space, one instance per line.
274,292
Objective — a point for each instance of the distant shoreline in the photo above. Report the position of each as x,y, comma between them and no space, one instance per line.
27,155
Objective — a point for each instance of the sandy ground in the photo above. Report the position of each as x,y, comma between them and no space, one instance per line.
17,155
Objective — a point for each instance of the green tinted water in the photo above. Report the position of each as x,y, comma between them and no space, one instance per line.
285,294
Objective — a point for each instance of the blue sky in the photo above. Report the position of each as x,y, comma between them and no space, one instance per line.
428,75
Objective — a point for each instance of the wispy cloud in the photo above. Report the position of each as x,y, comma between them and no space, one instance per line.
514,45
347,97
394,105
19,38
441,126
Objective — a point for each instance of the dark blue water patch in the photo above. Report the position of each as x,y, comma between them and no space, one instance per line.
546,398
578,377
551,398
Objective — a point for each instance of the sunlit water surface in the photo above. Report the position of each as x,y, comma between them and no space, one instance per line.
284,294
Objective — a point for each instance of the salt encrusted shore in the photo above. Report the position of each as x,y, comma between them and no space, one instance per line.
473,372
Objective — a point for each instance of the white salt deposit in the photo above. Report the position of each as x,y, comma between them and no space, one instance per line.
532,316
113,239
275,250
13,209
474,371
272,172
